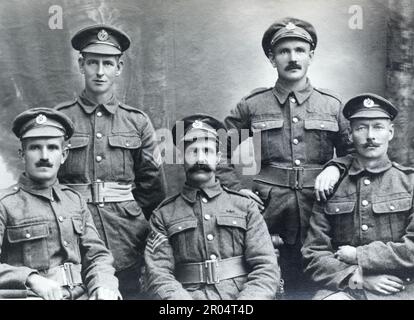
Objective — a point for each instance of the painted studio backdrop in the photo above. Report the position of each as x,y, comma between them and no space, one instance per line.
192,56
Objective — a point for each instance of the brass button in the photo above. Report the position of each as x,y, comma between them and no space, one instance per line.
28,235
364,227
295,120
69,145
180,228
367,182
408,279
204,200
213,257
337,210
210,237
15,188
98,180
207,216
99,135
322,126
392,208
364,203
297,162
101,205
65,243
234,222
98,158
292,99
60,218
295,141
127,144
99,114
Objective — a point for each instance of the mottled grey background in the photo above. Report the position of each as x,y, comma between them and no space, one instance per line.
186,56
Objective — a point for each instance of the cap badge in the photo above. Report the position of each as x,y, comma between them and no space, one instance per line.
368,103
41,119
290,26
197,124
103,35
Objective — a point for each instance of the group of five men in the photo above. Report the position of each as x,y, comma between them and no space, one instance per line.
88,218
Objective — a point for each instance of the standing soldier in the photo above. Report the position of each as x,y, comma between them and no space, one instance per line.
300,126
49,245
360,243
114,160
208,242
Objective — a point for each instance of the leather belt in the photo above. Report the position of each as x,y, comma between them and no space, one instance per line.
211,271
295,178
67,274
99,192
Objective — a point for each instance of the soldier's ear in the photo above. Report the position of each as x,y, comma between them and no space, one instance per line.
271,58
218,157
120,67
391,132
81,63
20,153
65,153
311,55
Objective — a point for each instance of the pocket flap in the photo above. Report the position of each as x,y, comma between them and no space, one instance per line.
78,142
27,232
267,125
126,142
232,221
77,224
133,209
181,226
393,205
324,125
339,207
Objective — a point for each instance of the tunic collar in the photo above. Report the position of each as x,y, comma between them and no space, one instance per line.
283,93
51,193
357,168
89,106
189,193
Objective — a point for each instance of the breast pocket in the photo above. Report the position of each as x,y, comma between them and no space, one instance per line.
271,131
341,218
75,165
391,217
183,238
232,232
122,149
320,134
29,243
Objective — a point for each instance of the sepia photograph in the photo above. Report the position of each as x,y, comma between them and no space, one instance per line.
207,150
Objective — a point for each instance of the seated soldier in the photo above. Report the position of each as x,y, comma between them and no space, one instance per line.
360,242
208,242
49,244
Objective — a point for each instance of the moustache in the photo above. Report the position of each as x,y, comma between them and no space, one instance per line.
293,66
370,144
46,164
198,167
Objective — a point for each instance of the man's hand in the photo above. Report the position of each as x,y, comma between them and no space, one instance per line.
383,284
105,294
347,254
45,288
255,197
325,182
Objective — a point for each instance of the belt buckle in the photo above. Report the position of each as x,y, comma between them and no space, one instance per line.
212,271
97,192
67,275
